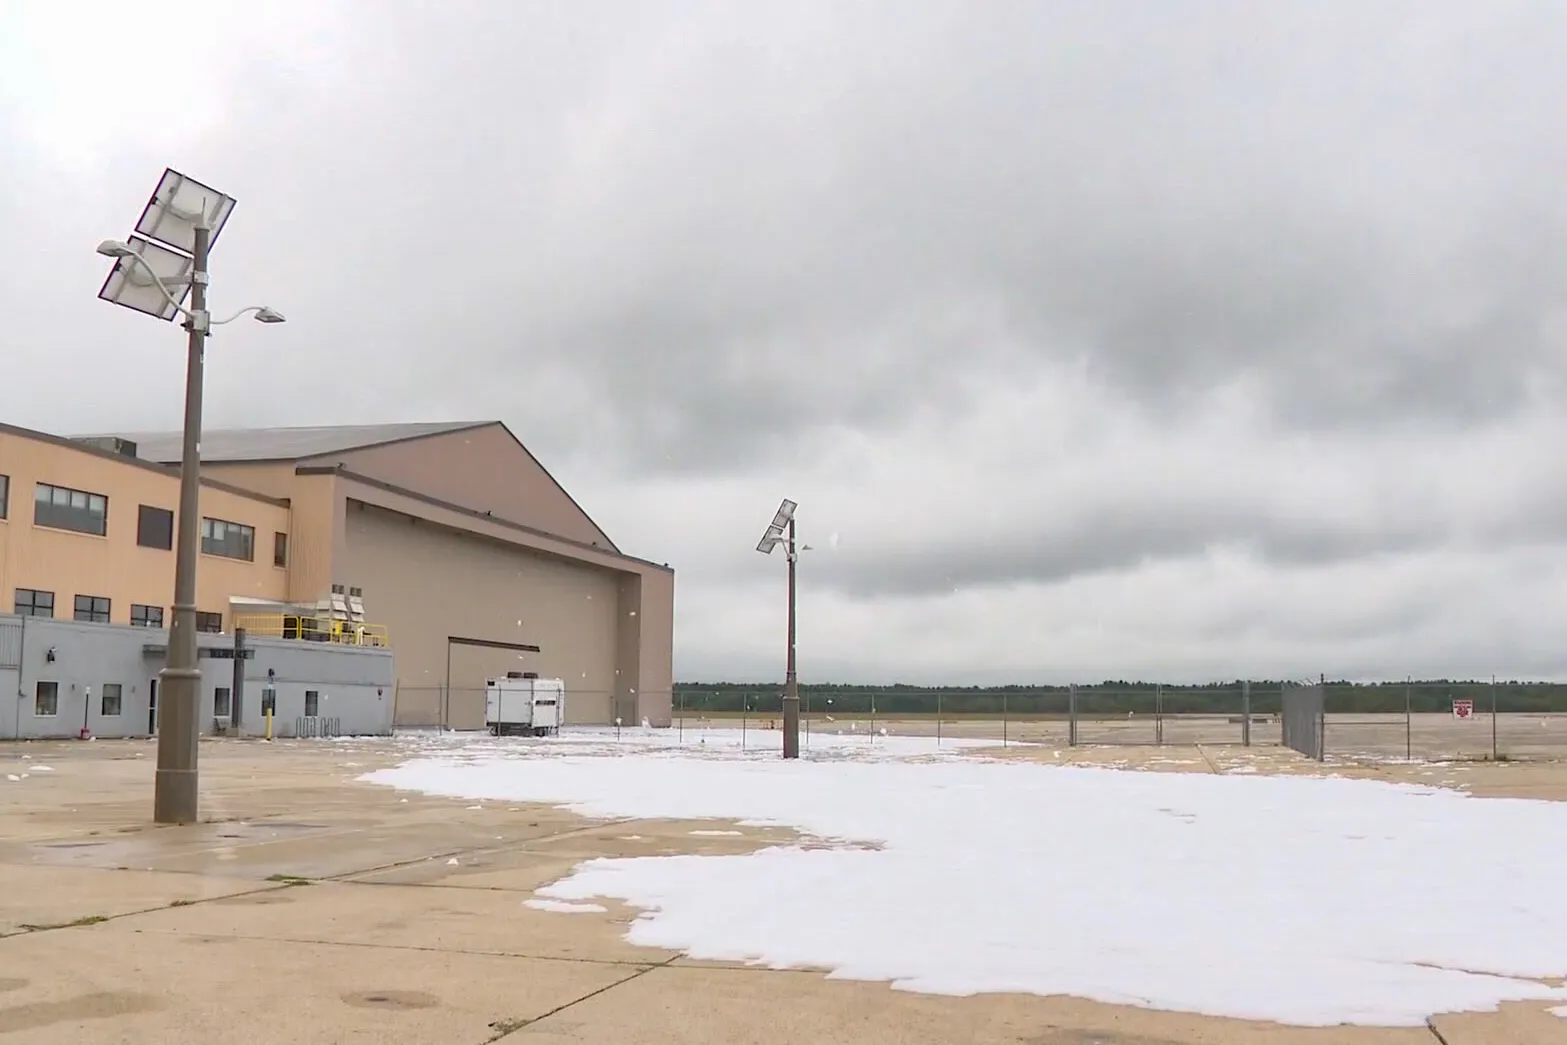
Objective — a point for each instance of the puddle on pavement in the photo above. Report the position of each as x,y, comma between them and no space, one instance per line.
104,1005
391,1000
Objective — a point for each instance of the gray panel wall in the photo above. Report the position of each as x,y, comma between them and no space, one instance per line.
354,684
1302,720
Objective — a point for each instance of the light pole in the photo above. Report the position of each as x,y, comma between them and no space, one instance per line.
175,236
781,531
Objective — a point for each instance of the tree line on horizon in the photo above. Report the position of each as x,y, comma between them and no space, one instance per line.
1120,697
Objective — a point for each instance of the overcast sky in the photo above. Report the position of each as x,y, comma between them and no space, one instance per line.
1108,339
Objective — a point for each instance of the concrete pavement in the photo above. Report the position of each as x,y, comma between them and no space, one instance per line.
311,908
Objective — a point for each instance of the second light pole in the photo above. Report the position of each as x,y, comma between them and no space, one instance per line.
781,531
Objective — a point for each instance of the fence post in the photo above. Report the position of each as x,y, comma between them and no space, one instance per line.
1493,718
938,718
1322,719
1003,718
1071,712
1246,713
680,719
1409,719
1158,713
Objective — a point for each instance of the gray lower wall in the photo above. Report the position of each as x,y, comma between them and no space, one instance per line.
354,684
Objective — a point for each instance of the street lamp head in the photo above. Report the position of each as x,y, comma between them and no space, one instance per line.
268,315
113,248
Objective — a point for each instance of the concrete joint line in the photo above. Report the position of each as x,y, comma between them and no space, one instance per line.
512,1027
419,948
1434,1032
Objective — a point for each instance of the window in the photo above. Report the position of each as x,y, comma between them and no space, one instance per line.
46,699
93,609
228,539
30,603
280,549
312,703
5,495
220,702
62,509
155,527
209,622
110,703
146,616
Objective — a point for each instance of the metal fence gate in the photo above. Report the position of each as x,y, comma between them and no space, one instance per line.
1302,717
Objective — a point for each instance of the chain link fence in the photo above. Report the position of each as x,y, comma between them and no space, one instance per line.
1427,721
1147,715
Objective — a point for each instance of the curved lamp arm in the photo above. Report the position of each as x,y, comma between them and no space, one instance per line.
156,282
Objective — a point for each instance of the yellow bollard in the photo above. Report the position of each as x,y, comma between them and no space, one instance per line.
269,723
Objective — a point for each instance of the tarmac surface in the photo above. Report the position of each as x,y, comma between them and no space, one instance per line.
309,908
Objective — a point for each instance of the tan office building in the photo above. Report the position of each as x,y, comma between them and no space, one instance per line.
471,560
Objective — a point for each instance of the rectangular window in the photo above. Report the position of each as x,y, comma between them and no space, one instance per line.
94,609
280,549
209,622
110,704
30,603
229,539
154,527
146,616
312,703
5,496
46,699
60,508
220,702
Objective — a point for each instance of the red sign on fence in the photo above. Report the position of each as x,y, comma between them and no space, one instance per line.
1463,708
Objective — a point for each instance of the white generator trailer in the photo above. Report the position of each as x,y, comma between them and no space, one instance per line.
522,704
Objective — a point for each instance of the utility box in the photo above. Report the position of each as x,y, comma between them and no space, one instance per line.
523,705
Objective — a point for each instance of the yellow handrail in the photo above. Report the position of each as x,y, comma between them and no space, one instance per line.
310,628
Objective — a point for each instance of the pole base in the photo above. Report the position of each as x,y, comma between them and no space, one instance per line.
174,797
791,727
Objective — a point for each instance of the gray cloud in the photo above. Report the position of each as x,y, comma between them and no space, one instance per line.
714,253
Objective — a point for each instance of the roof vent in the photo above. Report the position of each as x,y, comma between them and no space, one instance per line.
112,443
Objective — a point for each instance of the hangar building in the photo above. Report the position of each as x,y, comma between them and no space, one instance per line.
449,542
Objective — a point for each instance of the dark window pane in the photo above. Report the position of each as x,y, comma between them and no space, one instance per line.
111,699
5,496
280,549
155,527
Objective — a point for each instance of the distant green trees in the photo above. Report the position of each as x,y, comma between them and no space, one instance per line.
1120,698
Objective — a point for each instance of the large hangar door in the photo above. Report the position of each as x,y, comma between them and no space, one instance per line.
462,706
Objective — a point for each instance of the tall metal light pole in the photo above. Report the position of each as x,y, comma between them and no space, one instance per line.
781,531
184,217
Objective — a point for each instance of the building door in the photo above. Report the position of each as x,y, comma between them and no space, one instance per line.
152,708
